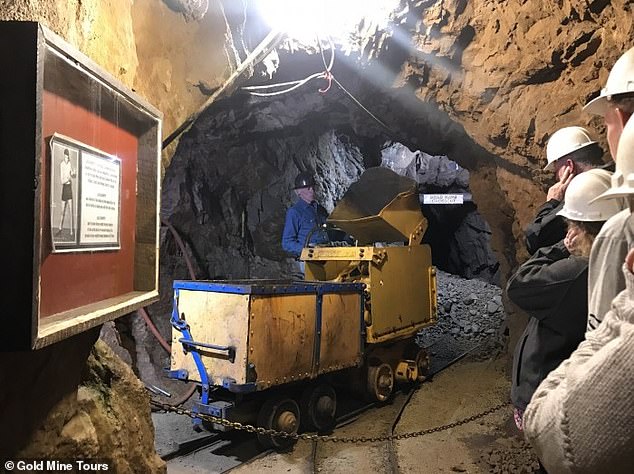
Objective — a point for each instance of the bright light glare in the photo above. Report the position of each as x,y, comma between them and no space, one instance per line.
304,19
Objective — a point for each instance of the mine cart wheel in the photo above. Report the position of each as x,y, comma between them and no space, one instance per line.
419,355
380,382
318,406
279,414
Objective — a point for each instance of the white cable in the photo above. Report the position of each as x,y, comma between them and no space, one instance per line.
332,54
300,82
296,86
280,84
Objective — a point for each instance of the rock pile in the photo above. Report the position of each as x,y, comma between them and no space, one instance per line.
470,315
459,236
509,455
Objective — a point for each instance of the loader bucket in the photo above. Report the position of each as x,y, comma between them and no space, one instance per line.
381,206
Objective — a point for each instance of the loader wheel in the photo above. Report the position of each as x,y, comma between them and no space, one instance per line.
318,406
422,362
419,355
279,414
380,382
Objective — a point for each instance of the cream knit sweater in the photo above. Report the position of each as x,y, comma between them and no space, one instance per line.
581,418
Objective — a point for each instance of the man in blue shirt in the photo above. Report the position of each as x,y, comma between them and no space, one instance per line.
305,218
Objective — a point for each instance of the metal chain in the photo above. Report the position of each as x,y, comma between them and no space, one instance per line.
326,438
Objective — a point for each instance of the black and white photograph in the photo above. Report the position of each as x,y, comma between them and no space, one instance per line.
64,168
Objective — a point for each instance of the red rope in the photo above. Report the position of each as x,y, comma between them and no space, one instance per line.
328,76
144,314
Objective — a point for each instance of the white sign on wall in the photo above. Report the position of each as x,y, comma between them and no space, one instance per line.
100,184
85,195
443,199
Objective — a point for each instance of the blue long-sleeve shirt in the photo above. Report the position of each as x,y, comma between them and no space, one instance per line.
300,220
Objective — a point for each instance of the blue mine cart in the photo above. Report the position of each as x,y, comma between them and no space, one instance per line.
249,342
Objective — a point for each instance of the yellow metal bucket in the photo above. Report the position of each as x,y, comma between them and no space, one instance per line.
381,206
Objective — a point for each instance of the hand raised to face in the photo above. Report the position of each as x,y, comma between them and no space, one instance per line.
558,190
571,239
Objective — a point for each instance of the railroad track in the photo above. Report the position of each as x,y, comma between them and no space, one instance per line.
399,403
243,449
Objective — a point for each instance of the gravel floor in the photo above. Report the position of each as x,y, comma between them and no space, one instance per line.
470,317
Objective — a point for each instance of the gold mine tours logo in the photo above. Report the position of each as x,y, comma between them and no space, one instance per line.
56,465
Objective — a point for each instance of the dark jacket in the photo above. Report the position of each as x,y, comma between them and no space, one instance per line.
547,228
301,219
552,287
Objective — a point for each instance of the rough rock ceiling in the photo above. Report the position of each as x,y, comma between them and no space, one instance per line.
491,81
507,73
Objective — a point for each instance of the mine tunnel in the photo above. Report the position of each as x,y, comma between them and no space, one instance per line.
159,323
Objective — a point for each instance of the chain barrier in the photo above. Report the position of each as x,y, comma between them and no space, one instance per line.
325,438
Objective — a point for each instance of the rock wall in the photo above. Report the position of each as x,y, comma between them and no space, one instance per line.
107,418
168,54
512,73
228,192
76,400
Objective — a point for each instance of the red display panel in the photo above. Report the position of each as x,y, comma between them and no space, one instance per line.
71,280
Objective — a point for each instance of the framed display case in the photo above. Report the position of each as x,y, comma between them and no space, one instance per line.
79,175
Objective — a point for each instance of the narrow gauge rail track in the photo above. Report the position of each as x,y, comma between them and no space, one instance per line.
405,398
236,445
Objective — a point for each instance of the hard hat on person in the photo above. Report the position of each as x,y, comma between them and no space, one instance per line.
565,141
304,180
620,81
623,177
579,203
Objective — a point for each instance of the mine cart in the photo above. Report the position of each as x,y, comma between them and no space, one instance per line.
382,212
271,352
261,349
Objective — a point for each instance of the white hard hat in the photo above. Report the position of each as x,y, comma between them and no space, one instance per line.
620,81
579,203
623,177
565,141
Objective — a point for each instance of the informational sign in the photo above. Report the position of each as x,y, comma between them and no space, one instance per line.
100,184
443,198
85,195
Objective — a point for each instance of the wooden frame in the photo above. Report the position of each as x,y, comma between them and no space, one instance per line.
51,88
